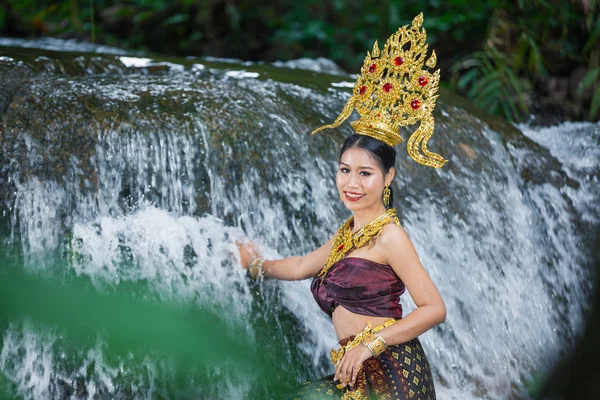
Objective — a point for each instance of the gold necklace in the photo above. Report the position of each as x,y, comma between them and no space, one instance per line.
345,240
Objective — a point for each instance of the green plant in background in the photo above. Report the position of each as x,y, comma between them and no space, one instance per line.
506,56
525,49
491,83
344,30
591,82
499,78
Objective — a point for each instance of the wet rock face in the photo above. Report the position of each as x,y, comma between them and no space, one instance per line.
67,108
55,123
93,146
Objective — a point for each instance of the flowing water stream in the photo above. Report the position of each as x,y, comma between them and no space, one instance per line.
141,173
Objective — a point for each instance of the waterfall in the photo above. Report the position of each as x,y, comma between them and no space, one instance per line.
146,173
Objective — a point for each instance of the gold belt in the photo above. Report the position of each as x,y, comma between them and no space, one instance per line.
336,354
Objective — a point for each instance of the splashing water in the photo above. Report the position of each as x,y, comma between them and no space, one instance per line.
179,165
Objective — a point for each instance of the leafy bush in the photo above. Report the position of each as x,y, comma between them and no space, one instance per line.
502,54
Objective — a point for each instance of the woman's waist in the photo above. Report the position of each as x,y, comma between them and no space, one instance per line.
350,342
348,323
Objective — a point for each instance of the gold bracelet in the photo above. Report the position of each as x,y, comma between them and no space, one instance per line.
337,354
367,340
256,268
377,346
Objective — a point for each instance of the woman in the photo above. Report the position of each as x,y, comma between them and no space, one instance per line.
360,273
378,270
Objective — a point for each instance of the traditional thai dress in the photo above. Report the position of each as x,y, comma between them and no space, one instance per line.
369,288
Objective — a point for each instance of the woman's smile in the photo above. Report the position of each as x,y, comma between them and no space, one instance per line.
353,196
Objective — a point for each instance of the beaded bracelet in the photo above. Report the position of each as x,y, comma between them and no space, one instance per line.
256,269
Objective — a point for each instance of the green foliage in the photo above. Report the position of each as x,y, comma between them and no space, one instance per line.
491,83
591,82
523,48
527,57
501,52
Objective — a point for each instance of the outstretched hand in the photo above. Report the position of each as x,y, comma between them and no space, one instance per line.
349,366
248,253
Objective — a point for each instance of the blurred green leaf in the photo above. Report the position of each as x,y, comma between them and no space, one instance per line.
125,12
143,16
588,79
467,78
176,19
536,64
506,109
594,39
520,51
512,113
595,105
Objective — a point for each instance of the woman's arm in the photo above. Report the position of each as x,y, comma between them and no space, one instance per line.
290,268
402,257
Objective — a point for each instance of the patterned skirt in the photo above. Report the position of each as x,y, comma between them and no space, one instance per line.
401,372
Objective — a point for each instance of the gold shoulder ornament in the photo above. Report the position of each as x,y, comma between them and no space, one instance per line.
393,90
345,241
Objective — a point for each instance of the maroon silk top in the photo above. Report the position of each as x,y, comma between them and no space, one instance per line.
360,286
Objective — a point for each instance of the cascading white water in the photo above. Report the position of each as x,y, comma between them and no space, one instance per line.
576,146
510,268
164,208
148,236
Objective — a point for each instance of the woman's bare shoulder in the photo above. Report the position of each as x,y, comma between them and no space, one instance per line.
394,241
392,233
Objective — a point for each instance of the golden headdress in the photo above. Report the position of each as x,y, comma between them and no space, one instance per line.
394,90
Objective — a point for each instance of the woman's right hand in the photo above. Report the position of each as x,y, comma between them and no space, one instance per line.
248,253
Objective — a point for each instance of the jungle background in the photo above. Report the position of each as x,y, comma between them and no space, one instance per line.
516,59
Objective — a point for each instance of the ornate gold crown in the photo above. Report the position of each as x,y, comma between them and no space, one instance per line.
394,90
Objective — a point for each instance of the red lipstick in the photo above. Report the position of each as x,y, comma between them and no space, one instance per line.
351,196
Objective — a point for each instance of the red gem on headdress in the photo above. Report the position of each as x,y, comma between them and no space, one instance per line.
387,87
423,81
415,104
363,89
372,68
340,248
399,61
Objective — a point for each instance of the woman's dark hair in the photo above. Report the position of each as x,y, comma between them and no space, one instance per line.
384,154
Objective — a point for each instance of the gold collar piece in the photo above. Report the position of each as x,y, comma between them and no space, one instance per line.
345,240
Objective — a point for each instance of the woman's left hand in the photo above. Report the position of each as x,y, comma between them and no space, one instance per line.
350,364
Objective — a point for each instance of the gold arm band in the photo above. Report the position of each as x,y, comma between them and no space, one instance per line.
377,346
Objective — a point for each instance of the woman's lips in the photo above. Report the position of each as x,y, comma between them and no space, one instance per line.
353,196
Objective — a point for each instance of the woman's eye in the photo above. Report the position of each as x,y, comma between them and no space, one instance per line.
365,173
344,170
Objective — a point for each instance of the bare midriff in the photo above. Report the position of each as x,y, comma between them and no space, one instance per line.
347,323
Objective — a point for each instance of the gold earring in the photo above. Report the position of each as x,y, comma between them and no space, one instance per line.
386,196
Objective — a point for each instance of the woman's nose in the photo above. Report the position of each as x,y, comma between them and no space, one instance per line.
353,180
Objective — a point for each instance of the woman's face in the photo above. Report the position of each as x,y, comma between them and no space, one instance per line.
359,180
